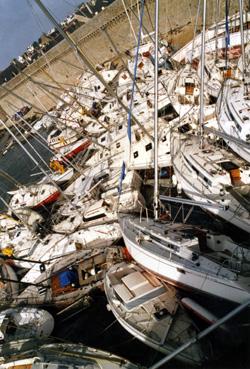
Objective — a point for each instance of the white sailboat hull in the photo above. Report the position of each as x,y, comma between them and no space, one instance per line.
178,275
227,214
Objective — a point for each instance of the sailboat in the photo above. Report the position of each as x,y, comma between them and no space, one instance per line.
71,279
67,355
233,111
233,107
174,253
214,177
34,196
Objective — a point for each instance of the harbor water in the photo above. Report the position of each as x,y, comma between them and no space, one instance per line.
18,165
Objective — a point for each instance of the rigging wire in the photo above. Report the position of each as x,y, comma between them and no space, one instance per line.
44,54
130,22
46,88
195,30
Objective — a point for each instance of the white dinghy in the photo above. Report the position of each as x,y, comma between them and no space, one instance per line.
150,311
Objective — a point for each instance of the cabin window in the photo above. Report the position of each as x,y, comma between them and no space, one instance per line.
181,270
148,146
118,145
56,133
189,87
174,247
136,154
140,65
167,112
164,138
185,128
137,136
120,126
207,181
228,165
232,118
128,95
103,139
194,169
238,126
42,192
101,155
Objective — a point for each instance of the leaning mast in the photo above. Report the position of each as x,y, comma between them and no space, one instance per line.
156,182
202,71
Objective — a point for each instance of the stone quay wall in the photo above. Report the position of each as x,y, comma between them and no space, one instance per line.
42,82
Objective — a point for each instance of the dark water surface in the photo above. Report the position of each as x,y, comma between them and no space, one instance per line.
17,164
98,327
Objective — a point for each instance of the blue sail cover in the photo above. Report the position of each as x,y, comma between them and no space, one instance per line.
68,277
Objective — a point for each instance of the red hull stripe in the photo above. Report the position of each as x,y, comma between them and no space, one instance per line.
48,200
78,149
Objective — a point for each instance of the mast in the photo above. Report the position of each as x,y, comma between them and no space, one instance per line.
156,183
202,71
227,33
216,28
242,39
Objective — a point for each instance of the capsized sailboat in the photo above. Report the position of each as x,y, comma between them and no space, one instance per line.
213,176
233,112
71,279
174,253
34,196
66,355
